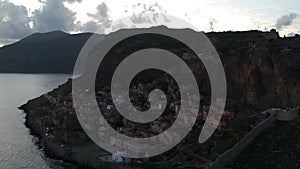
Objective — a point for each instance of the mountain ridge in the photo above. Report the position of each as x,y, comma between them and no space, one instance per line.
52,52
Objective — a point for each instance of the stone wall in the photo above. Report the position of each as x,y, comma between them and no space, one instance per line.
231,154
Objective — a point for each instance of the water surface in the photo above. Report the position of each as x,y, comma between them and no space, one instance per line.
17,147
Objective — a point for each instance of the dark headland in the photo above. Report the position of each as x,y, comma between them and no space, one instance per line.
262,72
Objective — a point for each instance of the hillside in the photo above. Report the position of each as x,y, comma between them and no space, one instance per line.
53,52
262,69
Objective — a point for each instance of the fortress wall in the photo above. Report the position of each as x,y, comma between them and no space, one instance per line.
231,154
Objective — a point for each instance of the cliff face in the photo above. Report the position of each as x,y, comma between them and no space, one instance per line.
261,68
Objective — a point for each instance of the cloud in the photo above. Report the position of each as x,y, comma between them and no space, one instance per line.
91,26
99,20
291,34
140,18
212,22
285,20
101,14
119,25
73,1
14,21
53,16
155,9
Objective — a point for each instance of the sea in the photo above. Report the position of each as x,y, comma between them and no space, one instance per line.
18,149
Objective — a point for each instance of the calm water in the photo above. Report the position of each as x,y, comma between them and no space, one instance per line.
17,146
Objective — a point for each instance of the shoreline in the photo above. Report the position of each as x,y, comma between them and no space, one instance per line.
84,155
87,154
39,141
67,155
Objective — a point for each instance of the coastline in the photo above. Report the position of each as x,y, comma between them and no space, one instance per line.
40,142
246,89
66,154
84,154
87,154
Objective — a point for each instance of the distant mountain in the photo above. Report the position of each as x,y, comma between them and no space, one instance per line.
52,52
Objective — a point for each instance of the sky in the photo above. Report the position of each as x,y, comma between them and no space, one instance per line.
20,18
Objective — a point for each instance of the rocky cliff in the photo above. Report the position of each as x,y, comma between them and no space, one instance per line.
262,69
